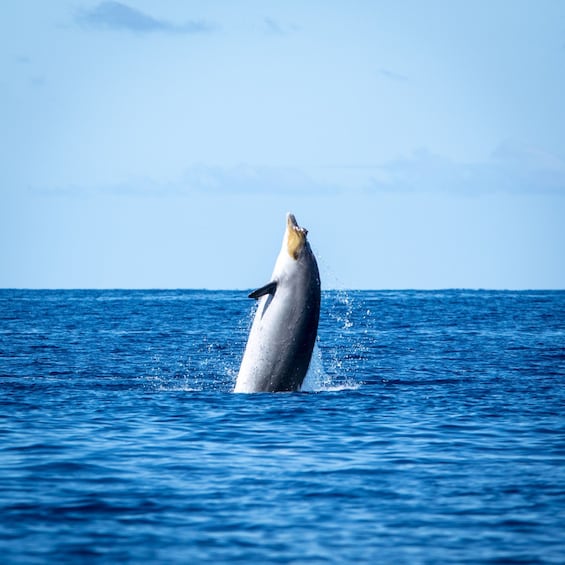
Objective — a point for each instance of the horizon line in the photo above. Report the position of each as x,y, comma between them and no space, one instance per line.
247,289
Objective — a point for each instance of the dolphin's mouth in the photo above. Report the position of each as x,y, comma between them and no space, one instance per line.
295,236
292,224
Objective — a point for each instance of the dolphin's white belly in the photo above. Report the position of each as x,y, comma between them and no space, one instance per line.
269,340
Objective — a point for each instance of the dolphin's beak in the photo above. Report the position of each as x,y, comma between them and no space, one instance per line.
292,224
295,236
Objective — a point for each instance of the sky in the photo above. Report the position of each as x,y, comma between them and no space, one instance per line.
149,144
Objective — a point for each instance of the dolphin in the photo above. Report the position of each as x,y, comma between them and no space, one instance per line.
285,326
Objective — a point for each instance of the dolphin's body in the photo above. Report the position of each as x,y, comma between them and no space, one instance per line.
284,330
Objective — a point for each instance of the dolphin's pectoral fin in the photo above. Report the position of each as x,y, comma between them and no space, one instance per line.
269,288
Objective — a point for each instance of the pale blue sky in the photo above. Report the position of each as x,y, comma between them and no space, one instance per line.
159,144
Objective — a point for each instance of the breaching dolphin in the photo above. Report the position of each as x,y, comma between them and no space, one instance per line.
285,326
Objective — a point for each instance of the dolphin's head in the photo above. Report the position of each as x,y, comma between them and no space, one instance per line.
295,237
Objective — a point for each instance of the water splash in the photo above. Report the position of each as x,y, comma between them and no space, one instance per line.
179,377
318,380
342,312
341,354
210,362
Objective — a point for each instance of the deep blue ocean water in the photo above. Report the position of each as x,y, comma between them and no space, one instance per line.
432,430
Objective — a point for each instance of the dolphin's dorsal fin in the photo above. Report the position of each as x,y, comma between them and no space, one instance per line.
269,288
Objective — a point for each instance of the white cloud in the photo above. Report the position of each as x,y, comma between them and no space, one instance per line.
274,27
118,16
205,179
392,75
514,167
250,179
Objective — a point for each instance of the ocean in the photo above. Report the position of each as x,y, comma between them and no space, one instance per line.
431,429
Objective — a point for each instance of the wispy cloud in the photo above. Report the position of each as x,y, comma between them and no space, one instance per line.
274,27
513,167
38,81
121,17
253,179
207,179
392,75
